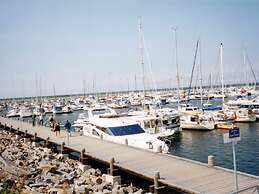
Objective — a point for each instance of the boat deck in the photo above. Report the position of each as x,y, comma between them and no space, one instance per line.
185,175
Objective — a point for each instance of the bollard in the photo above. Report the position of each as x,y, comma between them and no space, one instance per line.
82,155
210,161
101,136
35,136
126,142
62,147
47,141
112,166
156,184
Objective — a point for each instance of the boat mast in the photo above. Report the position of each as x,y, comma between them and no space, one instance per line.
201,93
177,67
141,49
222,73
194,62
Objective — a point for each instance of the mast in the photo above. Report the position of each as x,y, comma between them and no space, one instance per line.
135,79
84,87
141,49
201,93
194,62
222,73
177,67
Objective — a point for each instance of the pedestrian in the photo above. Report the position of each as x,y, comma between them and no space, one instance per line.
57,128
41,119
33,119
68,127
51,122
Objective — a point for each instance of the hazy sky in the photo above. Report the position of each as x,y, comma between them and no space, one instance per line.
62,43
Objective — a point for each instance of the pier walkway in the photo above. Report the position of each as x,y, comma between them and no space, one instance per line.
184,175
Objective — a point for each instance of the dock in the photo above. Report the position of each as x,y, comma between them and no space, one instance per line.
183,175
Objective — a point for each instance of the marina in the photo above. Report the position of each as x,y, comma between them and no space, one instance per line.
129,97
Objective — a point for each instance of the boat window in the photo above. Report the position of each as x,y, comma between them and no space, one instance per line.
58,108
94,132
100,111
126,130
194,119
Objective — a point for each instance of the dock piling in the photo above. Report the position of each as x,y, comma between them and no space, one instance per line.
111,166
35,137
62,147
47,141
81,159
210,161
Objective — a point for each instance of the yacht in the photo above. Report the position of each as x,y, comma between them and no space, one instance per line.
197,122
57,109
245,115
123,131
13,113
188,109
161,123
81,121
25,112
83,118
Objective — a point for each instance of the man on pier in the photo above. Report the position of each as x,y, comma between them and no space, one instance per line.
68,127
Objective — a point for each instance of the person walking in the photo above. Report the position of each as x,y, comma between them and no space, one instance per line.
68,127
33,119
51,122
57,128
41,119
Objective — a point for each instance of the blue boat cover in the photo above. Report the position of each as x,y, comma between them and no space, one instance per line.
126,130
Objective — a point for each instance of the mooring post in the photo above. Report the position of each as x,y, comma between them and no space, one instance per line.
47,141
112,166
35,137
210,161
82,155
62,147
156,184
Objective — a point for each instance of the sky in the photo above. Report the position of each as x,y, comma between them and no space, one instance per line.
62,44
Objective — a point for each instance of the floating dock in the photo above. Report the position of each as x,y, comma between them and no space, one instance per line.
183,175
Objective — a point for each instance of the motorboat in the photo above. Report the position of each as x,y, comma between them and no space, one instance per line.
81,121
123,131
197,122
245,115
188,109
161,123
96,112
13,113
25,112
57,109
